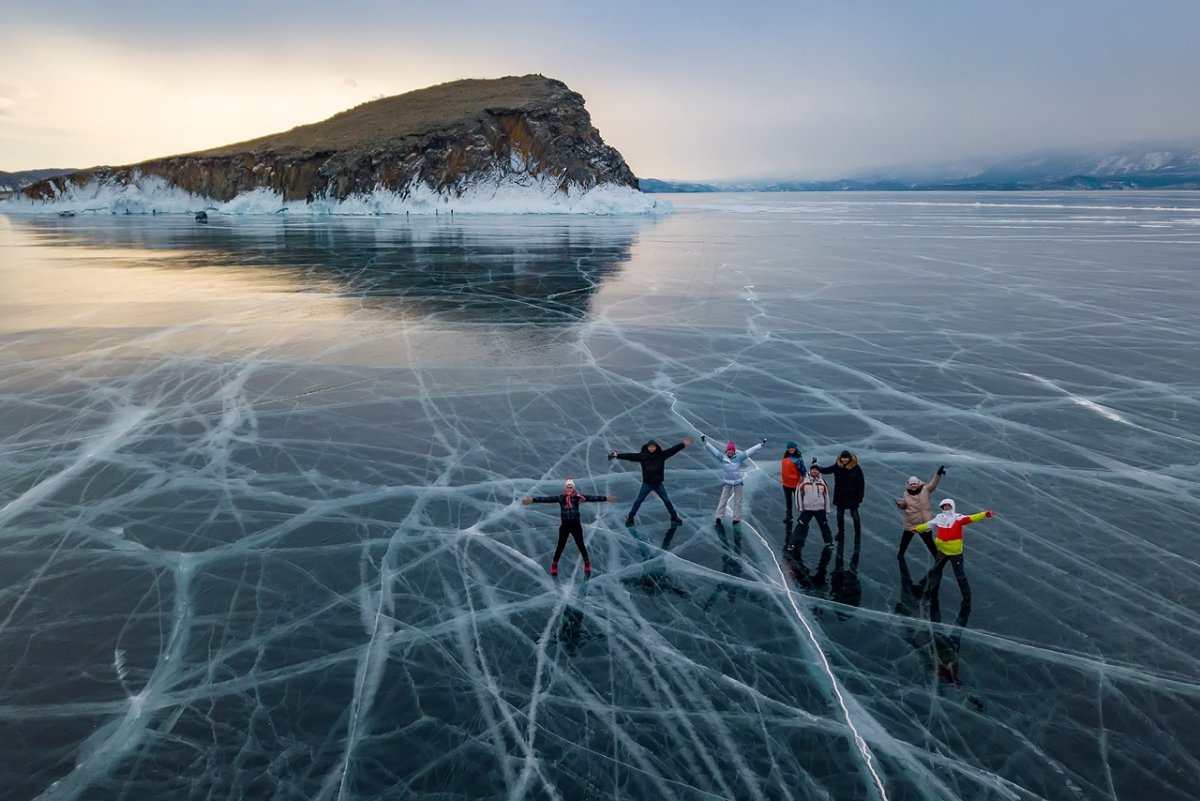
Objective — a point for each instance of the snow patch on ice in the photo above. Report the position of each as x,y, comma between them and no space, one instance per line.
506,194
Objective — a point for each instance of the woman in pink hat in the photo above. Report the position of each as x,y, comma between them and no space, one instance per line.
570,525
733,475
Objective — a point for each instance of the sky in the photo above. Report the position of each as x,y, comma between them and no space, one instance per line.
695,90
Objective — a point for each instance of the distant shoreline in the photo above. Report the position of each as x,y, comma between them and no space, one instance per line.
1092,185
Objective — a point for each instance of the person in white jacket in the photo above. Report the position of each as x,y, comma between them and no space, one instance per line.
812,501
733,475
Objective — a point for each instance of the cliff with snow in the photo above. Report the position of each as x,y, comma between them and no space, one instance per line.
516,144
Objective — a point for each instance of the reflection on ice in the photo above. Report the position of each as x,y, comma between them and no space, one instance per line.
654,578
261,532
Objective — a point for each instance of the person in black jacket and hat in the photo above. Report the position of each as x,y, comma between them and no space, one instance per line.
653,460
849,487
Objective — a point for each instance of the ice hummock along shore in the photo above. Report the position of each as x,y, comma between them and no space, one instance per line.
508,194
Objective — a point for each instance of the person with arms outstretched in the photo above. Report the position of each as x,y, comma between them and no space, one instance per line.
568,506
917,506
947,529
653,460
733,475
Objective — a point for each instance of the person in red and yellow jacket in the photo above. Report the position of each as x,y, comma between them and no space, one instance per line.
947,528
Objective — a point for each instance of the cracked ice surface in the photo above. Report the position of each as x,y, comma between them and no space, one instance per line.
260,534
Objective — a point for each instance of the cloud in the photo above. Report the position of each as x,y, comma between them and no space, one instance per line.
11,95
787,88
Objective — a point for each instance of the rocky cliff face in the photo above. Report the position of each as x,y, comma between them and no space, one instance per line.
446,139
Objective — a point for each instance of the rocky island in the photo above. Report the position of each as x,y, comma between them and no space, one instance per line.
517,144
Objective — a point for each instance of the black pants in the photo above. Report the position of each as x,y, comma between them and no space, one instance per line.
926,537
806,517
934,579
788,496
853,510
575,529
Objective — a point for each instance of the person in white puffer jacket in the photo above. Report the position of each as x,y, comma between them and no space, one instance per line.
733,475
812,501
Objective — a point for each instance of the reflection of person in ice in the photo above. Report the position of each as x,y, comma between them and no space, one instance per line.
733,475
943,650
731,551
731,565
849,487
568,505
571,631
812,501
945,647
917,507
940,649
909,603
947,528
806,579
791,468
654,579
653,460
844,584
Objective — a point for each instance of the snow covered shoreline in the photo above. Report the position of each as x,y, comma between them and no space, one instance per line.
153,195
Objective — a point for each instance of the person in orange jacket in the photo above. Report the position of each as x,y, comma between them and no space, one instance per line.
791,469
947,528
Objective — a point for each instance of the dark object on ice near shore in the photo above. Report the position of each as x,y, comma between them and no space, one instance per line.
202,216
66,214
444,138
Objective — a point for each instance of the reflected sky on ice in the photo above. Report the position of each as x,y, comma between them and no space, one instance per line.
260,530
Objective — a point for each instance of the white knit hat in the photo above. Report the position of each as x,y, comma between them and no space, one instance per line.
912,480
570,483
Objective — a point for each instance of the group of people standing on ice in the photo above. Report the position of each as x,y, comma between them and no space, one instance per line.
805,493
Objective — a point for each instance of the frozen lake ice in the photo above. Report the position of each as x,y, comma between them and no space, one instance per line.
261,533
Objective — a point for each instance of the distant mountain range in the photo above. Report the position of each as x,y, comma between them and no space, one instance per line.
1143,166
12,181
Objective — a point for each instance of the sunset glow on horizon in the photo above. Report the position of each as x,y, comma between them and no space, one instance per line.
695,93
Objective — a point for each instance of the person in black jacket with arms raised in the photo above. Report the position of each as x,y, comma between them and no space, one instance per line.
653,460
848,489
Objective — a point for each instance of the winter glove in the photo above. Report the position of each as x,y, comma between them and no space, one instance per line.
764,441
942,470
703,438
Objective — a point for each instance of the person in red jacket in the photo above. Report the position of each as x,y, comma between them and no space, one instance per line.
791,470
947,528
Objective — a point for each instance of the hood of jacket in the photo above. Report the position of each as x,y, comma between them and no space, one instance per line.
945,519
851,464
646,447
